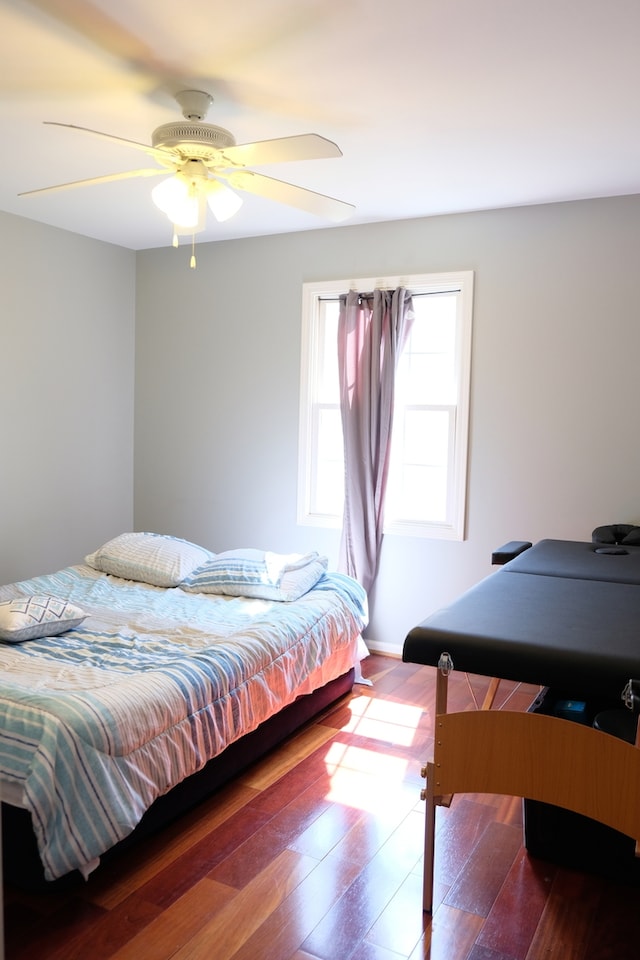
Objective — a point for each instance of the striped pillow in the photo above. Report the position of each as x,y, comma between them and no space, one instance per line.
257,573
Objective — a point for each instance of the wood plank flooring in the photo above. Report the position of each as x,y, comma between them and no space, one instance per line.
316,854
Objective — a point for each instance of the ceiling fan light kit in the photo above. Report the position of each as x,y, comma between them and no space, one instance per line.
182,195
201,155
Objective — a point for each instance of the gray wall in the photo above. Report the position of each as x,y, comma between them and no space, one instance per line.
553,448
66,396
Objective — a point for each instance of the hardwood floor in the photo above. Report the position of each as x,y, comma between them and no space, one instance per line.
316,854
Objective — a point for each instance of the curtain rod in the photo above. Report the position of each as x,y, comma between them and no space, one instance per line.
424,293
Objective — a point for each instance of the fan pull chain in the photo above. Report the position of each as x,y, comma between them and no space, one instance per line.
175,243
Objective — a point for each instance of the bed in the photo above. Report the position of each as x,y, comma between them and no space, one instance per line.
562,615
169,658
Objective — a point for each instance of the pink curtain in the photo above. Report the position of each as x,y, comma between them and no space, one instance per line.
372,331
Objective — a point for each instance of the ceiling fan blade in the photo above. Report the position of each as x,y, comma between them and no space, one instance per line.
165,156
300,197
306,146
106,179
106,32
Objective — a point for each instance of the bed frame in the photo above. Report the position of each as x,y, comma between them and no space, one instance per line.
21,862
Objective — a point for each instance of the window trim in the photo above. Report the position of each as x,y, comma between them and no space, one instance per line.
454,528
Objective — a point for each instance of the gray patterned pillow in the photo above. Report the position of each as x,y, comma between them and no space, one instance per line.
28,618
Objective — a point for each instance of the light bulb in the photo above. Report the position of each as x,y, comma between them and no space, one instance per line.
178,198
222,201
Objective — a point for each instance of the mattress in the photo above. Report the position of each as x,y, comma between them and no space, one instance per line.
98,722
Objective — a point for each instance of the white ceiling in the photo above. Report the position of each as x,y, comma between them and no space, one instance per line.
438,106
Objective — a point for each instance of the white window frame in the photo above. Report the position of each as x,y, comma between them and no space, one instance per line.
312,294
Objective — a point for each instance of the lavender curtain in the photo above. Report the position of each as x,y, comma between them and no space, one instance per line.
372,330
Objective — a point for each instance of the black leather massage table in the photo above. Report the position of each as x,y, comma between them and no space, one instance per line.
559,614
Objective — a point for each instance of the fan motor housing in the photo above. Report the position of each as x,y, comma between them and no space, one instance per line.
192,139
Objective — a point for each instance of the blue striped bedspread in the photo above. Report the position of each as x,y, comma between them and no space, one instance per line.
98,722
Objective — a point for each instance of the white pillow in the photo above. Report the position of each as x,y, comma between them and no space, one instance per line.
257,573
149,557
28,618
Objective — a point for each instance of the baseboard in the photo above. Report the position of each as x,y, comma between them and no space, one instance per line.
387,649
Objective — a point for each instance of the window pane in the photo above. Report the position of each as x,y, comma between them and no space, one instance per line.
328,489
425,437
428,372
422,495
330,434
417,489
328,479
329,386
430,378
434,329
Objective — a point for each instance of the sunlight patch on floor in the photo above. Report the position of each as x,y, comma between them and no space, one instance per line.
383,721
364,779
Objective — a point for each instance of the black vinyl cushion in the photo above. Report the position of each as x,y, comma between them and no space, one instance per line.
617,533
580,560
550,630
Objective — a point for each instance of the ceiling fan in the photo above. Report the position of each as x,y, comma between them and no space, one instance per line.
206,167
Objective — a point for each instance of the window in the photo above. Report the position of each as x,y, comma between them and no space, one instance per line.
427,476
